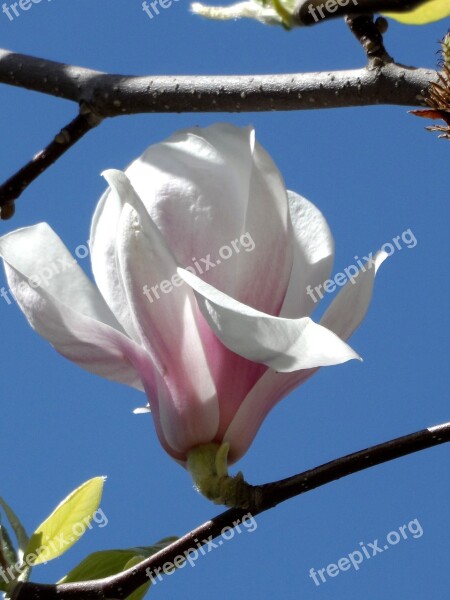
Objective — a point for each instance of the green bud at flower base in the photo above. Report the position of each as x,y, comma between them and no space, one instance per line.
207,465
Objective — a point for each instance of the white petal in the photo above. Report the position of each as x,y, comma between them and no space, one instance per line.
282,344
313,256
103,241
66,308
40,255
167,326
142,410
343,317
221,183
350,306
250,10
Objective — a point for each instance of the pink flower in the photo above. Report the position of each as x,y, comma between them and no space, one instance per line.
217,344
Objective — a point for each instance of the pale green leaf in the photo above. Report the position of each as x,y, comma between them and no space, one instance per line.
67,523
430,11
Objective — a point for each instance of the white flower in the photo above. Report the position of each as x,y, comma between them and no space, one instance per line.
214,348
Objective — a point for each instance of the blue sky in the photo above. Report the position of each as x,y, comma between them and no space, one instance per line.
374,172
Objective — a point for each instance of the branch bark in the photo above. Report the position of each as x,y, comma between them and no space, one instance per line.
108,95
118,587
65,139
111,95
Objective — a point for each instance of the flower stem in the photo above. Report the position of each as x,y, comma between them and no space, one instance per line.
208,466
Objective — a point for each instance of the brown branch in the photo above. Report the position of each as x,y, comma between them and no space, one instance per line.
65,139
114,95
118,587
369,33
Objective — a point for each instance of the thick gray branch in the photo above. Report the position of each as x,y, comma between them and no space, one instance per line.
114,95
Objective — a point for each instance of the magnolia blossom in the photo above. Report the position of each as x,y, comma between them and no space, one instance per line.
214,337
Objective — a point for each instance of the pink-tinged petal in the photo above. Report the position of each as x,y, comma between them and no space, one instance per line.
313,256
350,306
166,324
66,308
268,391
221,182
282,344
343,317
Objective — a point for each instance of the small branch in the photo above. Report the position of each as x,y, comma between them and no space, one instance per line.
313,12
66,138
118,587
369,33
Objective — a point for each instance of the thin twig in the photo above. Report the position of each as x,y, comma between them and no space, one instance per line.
118,587
66,138
369,33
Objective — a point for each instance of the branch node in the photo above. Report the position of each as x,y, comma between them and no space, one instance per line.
369,33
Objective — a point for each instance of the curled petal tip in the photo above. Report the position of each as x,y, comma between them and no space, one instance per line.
114,176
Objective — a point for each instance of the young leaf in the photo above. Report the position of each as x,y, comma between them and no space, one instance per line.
110,562
7,548
66,524
18,528
433,10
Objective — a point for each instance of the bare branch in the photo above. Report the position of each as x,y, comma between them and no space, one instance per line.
65,139
115,95
369,33
118,587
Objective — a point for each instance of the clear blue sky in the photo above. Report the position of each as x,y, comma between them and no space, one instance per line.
374,172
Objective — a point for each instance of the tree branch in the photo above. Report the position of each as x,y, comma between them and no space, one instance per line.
115,95
65,139
118,587
369,33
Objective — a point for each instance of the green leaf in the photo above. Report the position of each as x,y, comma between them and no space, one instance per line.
433,10
110,562
18,528
7,548
67,523
99,564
